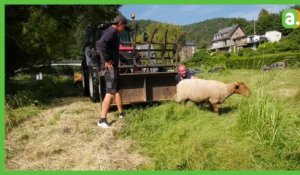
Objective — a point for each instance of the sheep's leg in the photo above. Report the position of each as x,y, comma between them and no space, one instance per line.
214,102
216,109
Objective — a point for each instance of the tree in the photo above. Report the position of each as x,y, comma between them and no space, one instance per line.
173,33
264,21
36,34
270,21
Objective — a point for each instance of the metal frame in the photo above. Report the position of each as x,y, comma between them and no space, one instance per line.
148,86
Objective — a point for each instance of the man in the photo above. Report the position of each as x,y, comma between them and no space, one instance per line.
108,47
183,73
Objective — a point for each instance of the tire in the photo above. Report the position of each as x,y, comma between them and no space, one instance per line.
93,86
85,84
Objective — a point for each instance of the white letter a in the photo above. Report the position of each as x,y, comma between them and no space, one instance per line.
290,19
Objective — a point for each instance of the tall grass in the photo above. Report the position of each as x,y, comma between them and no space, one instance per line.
261,132
261,115
274,124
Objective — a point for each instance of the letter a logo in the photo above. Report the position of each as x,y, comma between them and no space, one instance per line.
291,18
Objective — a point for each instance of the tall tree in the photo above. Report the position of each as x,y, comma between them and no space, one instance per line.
34,34
264,21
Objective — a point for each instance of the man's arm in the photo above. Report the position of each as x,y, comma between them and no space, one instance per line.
103,48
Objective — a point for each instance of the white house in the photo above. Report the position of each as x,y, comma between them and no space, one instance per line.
273,36
254,38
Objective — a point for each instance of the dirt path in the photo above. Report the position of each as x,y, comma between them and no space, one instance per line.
65,137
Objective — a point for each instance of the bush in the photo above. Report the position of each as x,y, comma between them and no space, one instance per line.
256,62
268,48
199,58
227,55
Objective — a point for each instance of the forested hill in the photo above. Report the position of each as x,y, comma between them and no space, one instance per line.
202,32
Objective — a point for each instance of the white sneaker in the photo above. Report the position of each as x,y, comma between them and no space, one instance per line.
103,125
121,115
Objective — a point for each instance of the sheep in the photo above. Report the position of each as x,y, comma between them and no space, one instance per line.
199,90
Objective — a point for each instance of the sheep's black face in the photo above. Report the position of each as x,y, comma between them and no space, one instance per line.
242,89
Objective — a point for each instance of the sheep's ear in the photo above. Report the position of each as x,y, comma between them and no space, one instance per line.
236,85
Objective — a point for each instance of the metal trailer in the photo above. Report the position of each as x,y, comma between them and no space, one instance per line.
141,79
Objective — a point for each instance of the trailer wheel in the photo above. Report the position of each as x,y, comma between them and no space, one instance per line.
93,87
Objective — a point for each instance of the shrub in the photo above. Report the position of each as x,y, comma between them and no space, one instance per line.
268,48
256,62
199,58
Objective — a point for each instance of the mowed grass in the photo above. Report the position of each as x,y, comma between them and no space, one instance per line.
65,136
261,132
26,97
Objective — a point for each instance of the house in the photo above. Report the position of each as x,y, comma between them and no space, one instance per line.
253,41
188,50
229,39
254,38
273,36
144,54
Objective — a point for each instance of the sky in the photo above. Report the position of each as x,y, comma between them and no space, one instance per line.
188,14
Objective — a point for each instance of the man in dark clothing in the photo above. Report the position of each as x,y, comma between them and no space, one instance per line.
108,47
183,73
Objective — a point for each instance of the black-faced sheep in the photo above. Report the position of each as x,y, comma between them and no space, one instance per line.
199,90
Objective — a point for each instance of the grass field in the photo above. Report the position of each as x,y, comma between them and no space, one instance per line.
261,132
258,133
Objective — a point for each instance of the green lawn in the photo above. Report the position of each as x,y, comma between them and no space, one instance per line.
261,132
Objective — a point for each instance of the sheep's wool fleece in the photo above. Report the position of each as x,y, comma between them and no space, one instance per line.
199,90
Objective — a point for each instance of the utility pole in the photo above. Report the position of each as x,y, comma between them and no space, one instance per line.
254,27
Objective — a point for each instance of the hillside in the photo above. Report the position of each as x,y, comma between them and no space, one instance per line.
202,32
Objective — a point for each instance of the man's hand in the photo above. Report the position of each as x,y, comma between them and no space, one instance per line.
109,65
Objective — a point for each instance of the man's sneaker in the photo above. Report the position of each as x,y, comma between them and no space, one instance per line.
121,115
103,125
